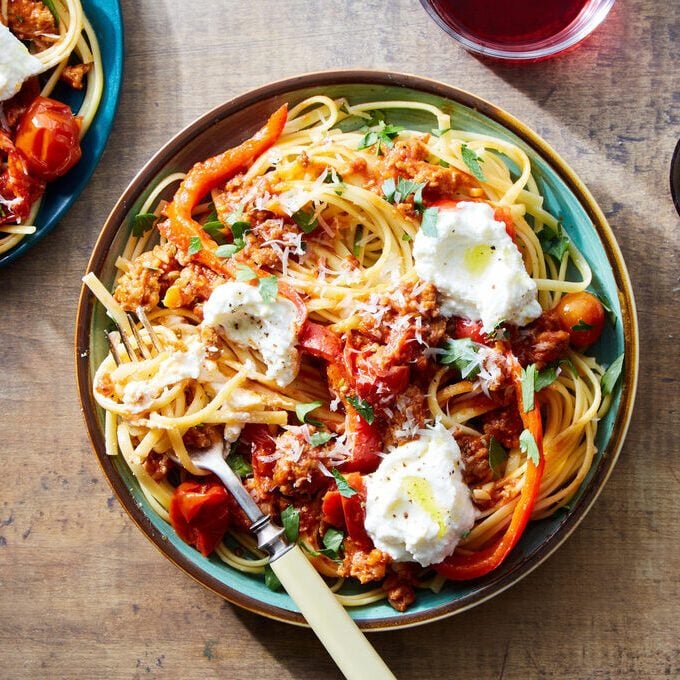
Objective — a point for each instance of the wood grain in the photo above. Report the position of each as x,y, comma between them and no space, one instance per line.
84,595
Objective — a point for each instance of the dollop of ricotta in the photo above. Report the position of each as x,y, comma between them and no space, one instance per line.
476,268
236,310
417,505
17,64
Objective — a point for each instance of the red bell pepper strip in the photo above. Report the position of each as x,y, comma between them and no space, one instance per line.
180,227
464,567
331,509
365,442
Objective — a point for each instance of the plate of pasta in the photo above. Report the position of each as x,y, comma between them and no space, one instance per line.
402,314
60,75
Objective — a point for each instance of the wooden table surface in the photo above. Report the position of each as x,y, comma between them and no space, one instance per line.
83,594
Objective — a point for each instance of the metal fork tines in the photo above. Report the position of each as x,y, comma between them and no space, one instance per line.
135,348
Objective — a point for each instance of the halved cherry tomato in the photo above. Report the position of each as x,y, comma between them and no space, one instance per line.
354,509
49,137
257,437
18,188
199,513
319,341
582,316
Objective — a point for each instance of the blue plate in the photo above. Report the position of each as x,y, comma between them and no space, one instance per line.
565,195
106,19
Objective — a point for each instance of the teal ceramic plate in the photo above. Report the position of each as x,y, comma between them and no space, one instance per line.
565,196
105,17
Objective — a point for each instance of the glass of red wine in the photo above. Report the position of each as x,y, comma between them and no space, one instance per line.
518,30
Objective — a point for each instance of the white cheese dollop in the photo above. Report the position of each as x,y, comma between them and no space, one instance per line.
476,268
17,64
417,505
236,309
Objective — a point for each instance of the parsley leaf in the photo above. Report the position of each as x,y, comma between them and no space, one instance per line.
343,485
406,236
545,378
528,381
444,163
439,133
428,223
239,464
472,160
244,273
290,518
553,243
611,376
53,10
399,192
230,248
195,245
320,438
383,135
569,364
306,221
303,410
364,409
142,222
269,288
608,309
581,326
527,444
214,229
332,177
271,580
462,353
497,456
332,541
239,225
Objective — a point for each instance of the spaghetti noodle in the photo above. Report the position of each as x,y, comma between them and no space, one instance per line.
322,215
61,38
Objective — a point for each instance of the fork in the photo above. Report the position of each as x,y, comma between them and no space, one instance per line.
337,631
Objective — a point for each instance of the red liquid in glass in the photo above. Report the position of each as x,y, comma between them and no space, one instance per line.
509,22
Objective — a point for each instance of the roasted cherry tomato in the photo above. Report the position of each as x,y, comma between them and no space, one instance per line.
465,328
49,137
331,509
354,509
199,513
582,316
319,341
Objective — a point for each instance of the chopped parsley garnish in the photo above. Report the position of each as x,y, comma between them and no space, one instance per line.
230,248
553,243
142,222
528,381
472,160
271,580
544,378
332,541
239,225
244,273
214,229
581,326
320,438
343,485
463,354
444,163
383,135
570,365
406,236
363,408
269,288
428,223
497,457
306,221
302,411
527,444
332,177
239,464
608,309
611,376
399,192
290,518
439,133
195,245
